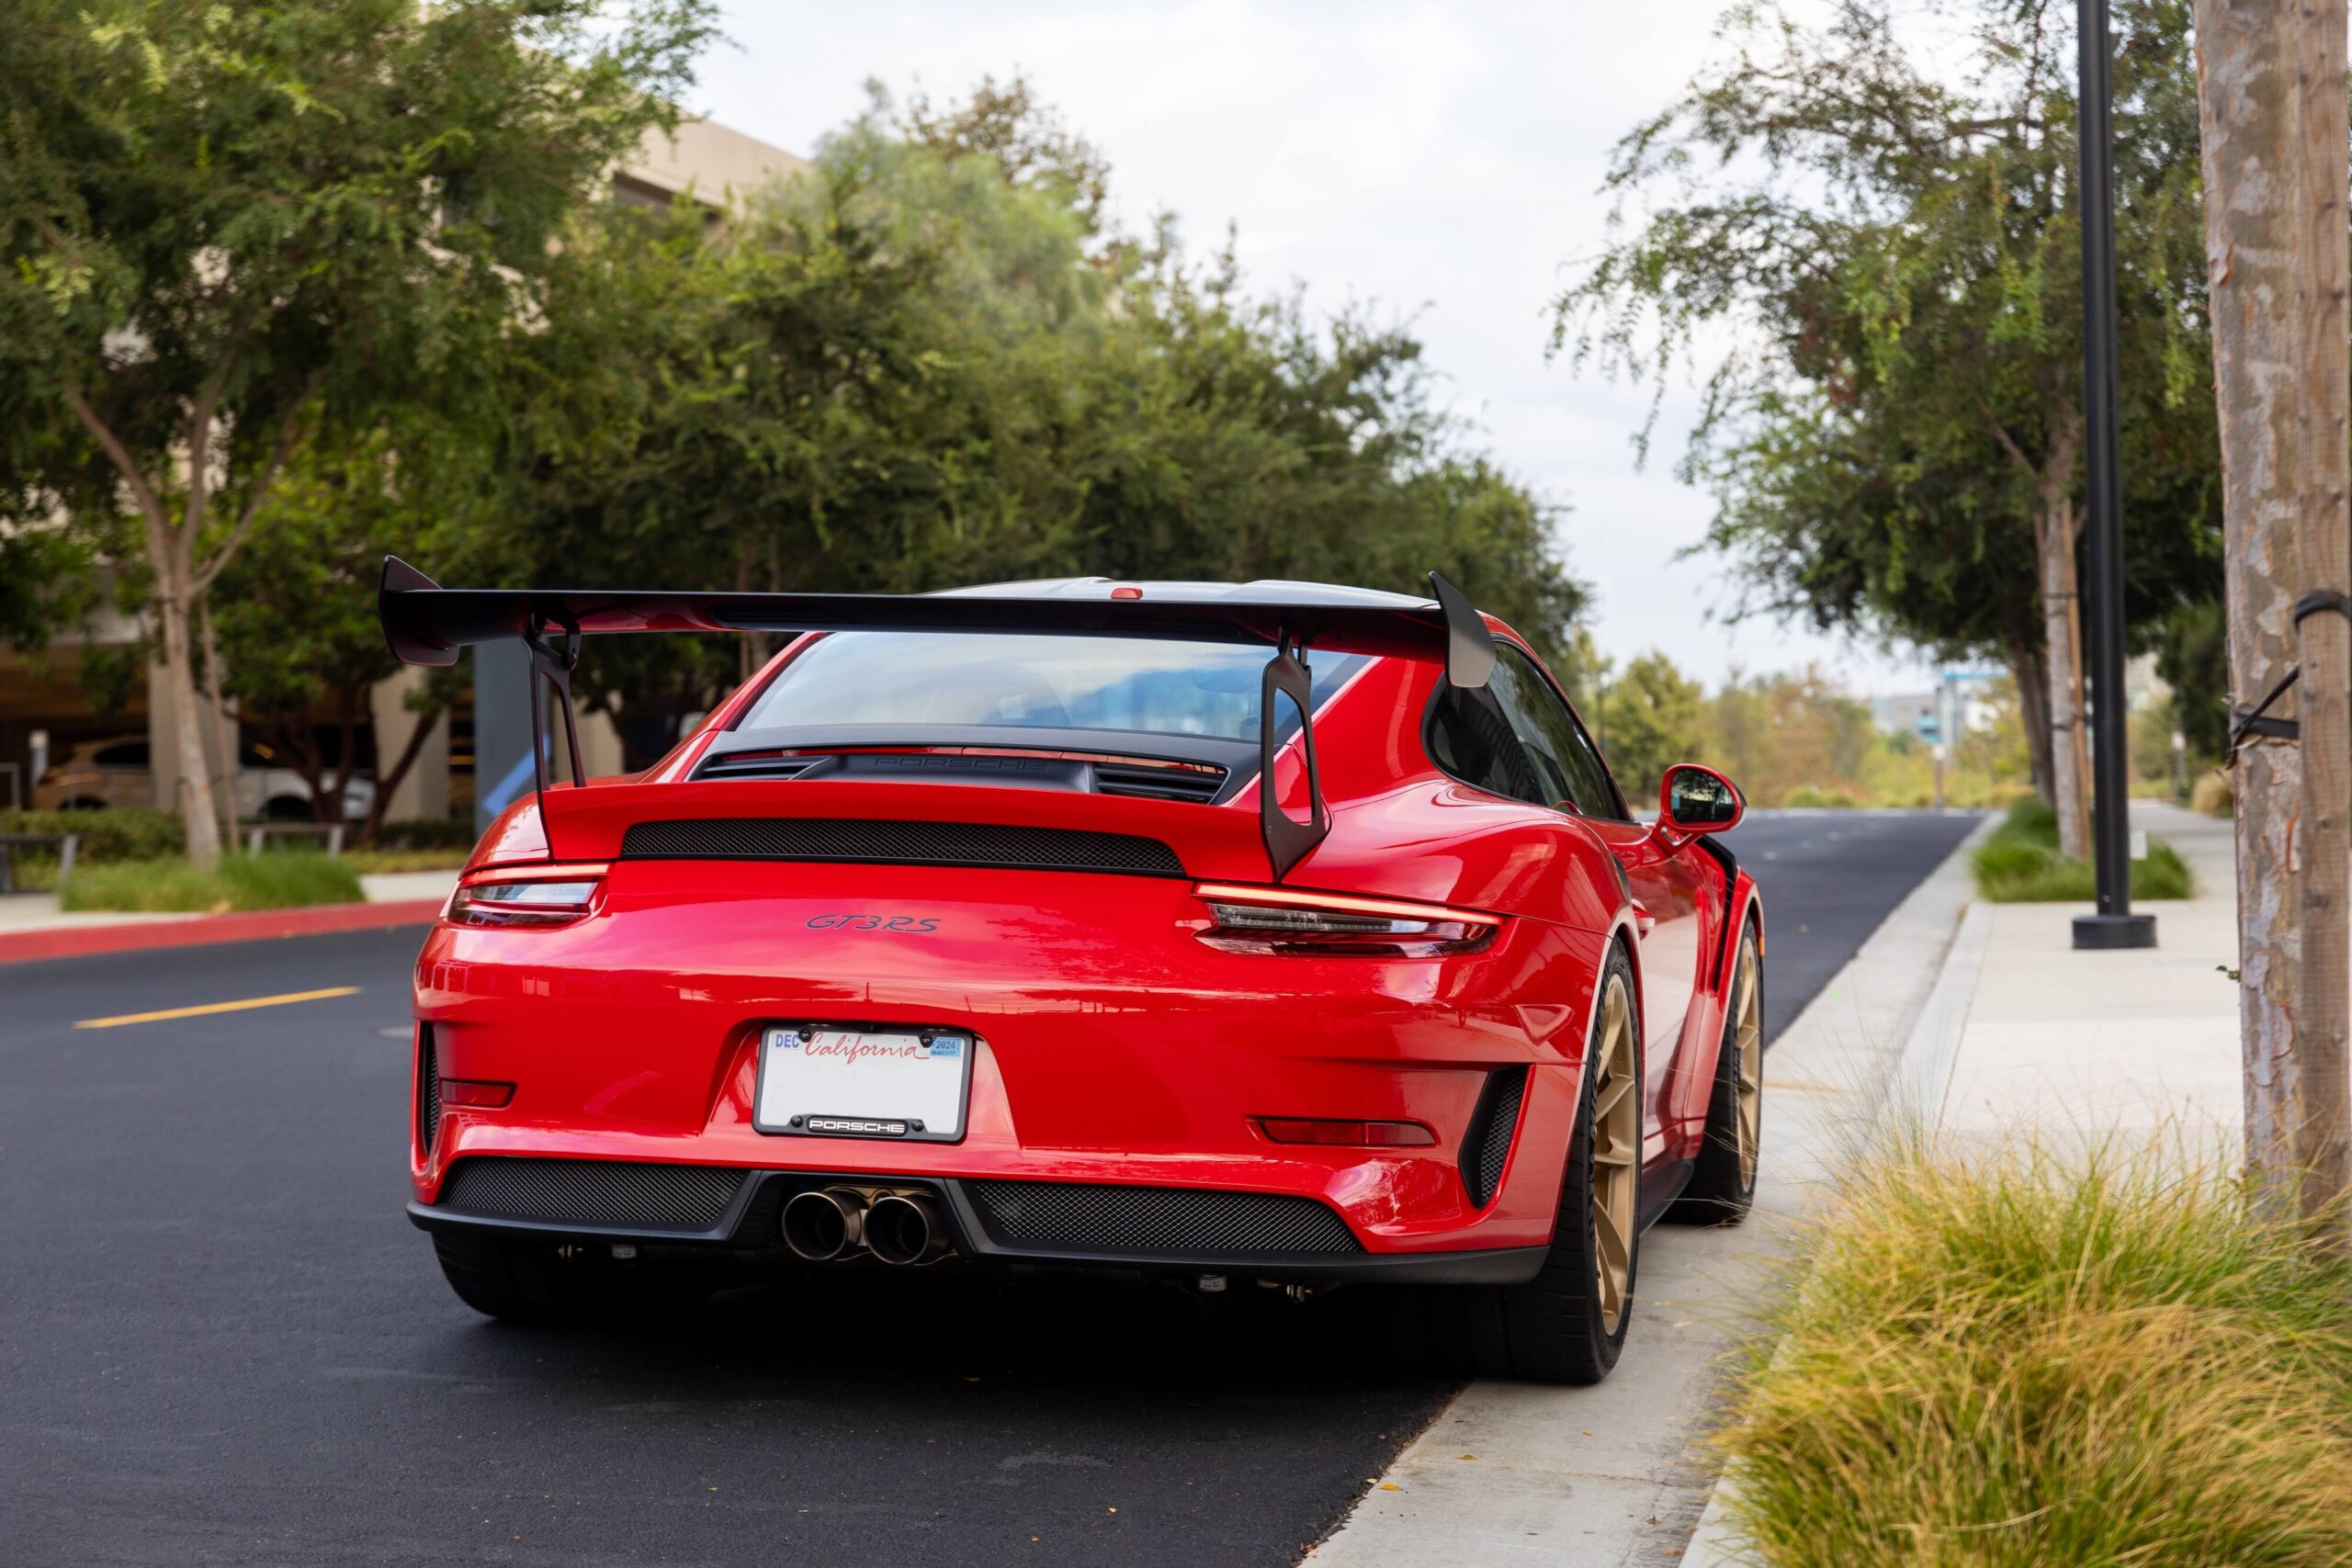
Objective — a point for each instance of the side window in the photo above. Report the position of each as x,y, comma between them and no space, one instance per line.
1469,736
1564,759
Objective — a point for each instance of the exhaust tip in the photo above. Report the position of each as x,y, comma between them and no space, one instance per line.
822,1224
905,1228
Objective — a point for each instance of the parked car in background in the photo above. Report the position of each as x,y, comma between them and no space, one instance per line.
119,771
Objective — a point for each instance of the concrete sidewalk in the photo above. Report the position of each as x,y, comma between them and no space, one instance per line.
39,911
32,926
2059,1044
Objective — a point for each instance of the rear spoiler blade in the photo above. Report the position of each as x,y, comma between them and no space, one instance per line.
426,624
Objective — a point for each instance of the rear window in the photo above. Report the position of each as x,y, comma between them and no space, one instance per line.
1029,682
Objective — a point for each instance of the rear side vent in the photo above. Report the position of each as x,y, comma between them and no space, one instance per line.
1488,1143
900,843
757,765
1146,782
428,1088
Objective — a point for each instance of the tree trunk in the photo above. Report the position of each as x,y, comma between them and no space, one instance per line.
389,784
224,728
2271,99
2031,678
201,827
2055,527
328,807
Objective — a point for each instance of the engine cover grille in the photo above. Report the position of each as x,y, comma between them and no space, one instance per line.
592,1191
900,843
1155,1220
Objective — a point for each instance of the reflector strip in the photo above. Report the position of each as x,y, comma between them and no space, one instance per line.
538,871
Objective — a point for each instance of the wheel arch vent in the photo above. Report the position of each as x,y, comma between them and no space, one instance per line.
428,1089
1486,1147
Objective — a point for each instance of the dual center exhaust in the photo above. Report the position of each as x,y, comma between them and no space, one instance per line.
826,1224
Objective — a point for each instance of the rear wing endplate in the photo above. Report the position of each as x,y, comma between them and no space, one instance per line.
426,625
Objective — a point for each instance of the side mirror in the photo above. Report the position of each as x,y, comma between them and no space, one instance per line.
1693,799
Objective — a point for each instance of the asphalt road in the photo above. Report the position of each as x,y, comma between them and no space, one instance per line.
221,1341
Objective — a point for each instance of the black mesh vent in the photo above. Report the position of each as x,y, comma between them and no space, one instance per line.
900,843
1489,1142
1154,1221
592,1191
1156,783
428,1089
756,765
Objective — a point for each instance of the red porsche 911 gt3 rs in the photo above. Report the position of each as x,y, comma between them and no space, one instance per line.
1270,932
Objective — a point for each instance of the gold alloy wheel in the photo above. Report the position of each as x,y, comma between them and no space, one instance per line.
1616,1154
1748,1031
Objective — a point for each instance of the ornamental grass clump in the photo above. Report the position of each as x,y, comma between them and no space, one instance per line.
273,880
2019,863
2020,1360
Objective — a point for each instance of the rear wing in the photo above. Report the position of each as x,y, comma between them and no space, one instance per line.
426,624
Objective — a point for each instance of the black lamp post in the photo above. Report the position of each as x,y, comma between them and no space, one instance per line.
2115,925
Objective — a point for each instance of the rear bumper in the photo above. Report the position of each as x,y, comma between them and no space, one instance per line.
1109,1046
750,1222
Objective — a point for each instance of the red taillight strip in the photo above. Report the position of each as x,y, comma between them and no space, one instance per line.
573,871
1290,897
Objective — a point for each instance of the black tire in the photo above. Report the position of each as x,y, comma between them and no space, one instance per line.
542,1284
1553,1328
1722,1183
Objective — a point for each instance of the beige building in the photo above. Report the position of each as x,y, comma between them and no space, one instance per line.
47,710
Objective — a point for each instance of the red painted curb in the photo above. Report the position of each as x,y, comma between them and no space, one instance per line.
250,926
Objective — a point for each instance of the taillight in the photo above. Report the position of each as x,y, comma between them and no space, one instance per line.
476,1093
1279,920
525,896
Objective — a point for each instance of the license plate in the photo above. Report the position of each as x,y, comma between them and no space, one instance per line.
856,1083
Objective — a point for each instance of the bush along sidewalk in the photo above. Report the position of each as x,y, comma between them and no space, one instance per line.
2019,863
2019,1362
279,880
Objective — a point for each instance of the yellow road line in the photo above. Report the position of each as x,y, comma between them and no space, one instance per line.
219,1007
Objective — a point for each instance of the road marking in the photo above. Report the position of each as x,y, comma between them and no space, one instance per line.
219,1007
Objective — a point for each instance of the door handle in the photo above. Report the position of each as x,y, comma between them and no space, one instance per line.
1643,921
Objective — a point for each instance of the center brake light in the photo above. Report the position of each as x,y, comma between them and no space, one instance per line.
548,894
1281,920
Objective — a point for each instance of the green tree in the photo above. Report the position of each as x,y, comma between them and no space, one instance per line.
1899,446
921,365
298,648
233,230
1654,717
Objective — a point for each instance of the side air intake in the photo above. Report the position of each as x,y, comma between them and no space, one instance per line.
900,843
1486,1146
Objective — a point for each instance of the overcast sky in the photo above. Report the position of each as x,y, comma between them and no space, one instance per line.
1436,161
